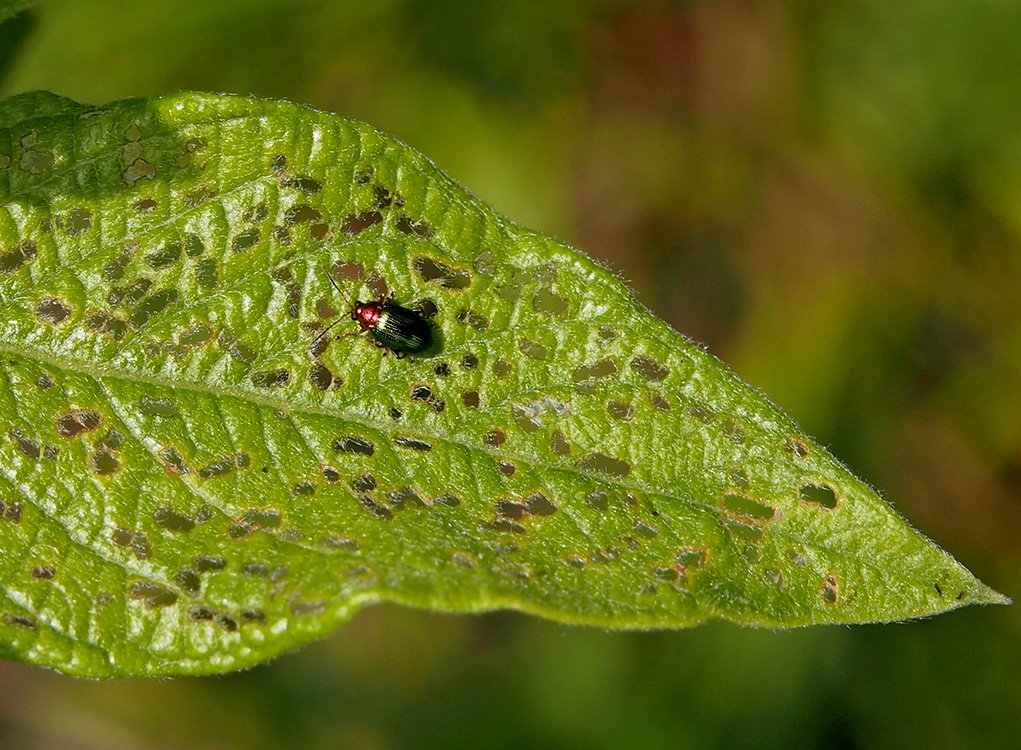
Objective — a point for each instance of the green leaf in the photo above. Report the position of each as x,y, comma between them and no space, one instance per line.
192,482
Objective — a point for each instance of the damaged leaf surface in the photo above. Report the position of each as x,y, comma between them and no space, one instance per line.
192,480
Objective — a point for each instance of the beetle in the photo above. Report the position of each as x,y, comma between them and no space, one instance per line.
392,327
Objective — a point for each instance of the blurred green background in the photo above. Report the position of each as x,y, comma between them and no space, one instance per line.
826,193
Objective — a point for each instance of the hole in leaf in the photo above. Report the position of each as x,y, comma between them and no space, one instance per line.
160,406
208,563
621,410
77,421
357,223
829,590
171,520
412,443
531,349
744,530
649,369
152,594
44,572
604,368
224,466
545,301
691,557
538,504
559,444
819,494
598,499
271,378
52,310
600,462
406,225
747,507
495,439
448,277
795,446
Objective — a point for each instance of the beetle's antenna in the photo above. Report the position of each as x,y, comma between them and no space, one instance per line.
339,320
322,333
329,275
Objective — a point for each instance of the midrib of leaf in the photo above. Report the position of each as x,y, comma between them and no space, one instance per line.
100,373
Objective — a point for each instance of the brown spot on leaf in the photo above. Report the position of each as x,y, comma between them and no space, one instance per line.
77,421
52,310
412,443
174,460
44,572
320,376
747,508
152,594
79,221
446,276
353,444
829,590
152,306
271,378
158,406
208,563
139,169
224,466
245,240
604,368
302,214
659,401
206,273
303,184
20,255
20,621
649,369
621,410
547,302
10,512
104,462
357,223
531,349
538,504
171,520
604,464
166,256
495,439
406,225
